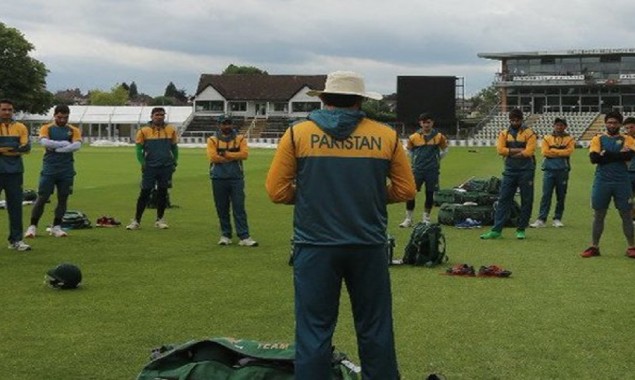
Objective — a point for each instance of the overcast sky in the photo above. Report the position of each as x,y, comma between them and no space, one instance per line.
96,44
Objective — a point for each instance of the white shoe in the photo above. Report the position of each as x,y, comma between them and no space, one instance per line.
57,231
557,223
224,240
538,224
20,246
134,225
31,231
248,242
161,224
425,219
406,223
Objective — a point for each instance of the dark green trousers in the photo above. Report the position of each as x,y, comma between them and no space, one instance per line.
11,184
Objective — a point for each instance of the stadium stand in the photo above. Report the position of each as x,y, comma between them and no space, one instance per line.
578,124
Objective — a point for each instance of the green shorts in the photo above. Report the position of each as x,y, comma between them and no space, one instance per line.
602,194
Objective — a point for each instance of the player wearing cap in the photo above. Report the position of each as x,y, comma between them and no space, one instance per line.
556,148
226,152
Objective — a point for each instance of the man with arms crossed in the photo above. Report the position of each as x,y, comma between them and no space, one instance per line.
556,147
334,168
226,152
610,151
517,145
59,140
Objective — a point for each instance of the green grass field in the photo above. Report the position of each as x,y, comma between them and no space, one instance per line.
557,317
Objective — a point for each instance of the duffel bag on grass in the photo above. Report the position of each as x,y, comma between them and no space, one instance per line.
490,185
453,213
233,359
458,195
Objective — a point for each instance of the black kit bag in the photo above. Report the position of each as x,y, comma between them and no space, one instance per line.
75,220
426,246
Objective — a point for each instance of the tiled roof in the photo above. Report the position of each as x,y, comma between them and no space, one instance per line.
259,87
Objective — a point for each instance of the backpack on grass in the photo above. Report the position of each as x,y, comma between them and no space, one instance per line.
152,201
235,359
426,246
75,220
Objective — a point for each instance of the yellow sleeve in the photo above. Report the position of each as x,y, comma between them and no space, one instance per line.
410,145
443,142
568,151
402,182
212,152
501,144
281,176
530,143
595,145
140,138
544,148
44,131
77,134
242,153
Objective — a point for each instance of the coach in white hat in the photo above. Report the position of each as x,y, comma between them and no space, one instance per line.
345,83
334,168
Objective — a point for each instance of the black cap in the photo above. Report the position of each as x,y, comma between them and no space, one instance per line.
225,120
560,120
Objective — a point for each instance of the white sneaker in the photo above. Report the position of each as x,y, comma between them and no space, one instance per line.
31,231
20,246
425,219
134,225
557,223
248,242
538,224
224,240
406,223
161,224
57,231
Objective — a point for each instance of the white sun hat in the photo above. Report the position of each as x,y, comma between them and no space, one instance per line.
345,83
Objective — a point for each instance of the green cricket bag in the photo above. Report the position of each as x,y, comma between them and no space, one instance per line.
453,213
490,185
233,359
458,195
75,220
426,246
